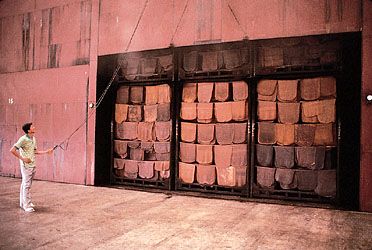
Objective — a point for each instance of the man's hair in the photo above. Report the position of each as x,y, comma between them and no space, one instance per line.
26,127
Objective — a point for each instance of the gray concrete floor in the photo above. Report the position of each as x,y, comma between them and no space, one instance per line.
80,217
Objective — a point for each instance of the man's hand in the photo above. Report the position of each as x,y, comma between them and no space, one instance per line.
49,151
26,160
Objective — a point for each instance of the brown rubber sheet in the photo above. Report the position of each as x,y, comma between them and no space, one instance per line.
240,176
187,152
162,156
121,112
150,156
134,113
222,155
206,174
186,172
265,177
310,157
188,111
121,148
327,111
188,131
128,130
239,155
147,146
266,111
221,91
189,92
136,94
146,169
205,112
224,133
150,113
209,60
119,163
306,179
285,134
164,94
162,165
284,156
204,154
240,133
148,66
163,131
264,155
226,176
145,131
328,86
163,112
266,133
305,134
151,95
136,154
134,144
287,90
288,113
205,90
324,134
285,177
267,90
122,95
190,61
206,133
231,58
240,90
131,169
162,147
310,89
309,111
222,111
164,174
239,110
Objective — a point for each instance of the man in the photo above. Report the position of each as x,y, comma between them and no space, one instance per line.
25,150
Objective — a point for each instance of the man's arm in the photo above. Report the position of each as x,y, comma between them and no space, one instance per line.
15,152
44,151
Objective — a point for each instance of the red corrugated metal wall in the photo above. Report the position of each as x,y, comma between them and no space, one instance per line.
219,20
50,39
47,65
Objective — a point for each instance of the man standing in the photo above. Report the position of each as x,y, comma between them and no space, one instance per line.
26,146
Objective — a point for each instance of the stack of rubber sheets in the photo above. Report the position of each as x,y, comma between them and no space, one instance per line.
213,147
142,132
296,134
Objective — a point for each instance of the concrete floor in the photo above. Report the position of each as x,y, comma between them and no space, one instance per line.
80,217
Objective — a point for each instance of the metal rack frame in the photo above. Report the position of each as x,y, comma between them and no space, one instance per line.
251,72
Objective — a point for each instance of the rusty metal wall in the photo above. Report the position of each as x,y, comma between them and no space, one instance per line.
57,36
187,22
53,100
366,127
47,71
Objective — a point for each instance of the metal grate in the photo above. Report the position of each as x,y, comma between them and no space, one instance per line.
290,195
215,189
142,183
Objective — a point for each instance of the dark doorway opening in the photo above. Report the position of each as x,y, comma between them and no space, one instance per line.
106,68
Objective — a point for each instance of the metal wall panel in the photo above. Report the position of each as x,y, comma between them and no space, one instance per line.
195,21
45,97
366,128
48,38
